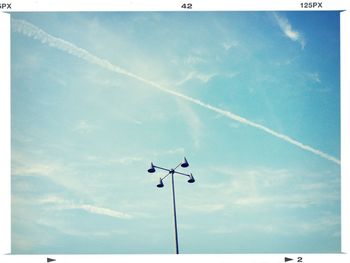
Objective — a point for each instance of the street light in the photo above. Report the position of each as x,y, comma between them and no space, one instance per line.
183,164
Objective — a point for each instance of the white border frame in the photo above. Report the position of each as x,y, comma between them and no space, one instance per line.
169,5
5,135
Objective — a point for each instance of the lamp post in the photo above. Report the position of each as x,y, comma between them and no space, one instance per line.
171,172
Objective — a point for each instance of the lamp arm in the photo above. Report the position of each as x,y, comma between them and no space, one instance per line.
182,173
177,166
161,168
166,176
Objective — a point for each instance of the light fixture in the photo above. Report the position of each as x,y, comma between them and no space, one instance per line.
184,163
191,180
152,169
160,185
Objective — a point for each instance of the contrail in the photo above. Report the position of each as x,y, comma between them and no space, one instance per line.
32,31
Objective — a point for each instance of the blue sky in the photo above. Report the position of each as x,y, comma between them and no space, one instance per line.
250,98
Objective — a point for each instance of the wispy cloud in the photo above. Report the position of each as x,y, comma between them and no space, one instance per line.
242,188
315,77
178,150
30,30
42,215
317,225
83,127
206,208
192,120
196,76
288,31
62,174
127,160
230,44
21,166
193,60
204,78
252,201
35,169
285,228
256,227
66,228
61,203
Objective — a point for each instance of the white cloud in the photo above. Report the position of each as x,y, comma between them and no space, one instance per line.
35,169
22,166
127,160
288,31
83,127
273,188
205,78
317,225
196,76
202,207
101,211
193,60
61,203
193,121
252,201
62,174
228,45
251,227
178,150
286,61
286,228
138,122
315,77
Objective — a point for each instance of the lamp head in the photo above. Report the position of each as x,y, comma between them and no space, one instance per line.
160,185
184,163
191,180
152,169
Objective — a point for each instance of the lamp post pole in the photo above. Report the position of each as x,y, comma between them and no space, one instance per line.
171,172
175,222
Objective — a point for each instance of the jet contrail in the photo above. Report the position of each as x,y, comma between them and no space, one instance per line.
32,31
